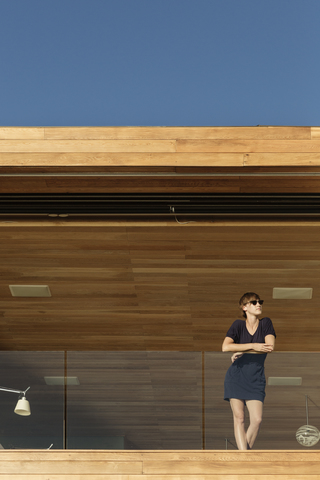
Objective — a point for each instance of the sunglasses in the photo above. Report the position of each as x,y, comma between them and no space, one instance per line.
254,302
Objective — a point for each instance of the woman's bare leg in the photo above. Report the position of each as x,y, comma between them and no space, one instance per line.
255,408
238,407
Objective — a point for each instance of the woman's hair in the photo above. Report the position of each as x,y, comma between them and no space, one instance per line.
246,298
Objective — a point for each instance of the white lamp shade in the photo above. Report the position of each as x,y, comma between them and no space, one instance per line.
22,407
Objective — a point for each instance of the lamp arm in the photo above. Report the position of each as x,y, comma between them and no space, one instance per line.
5,389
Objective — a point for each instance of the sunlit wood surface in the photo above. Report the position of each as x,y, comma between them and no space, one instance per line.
145,292
160,146
160,159
148,465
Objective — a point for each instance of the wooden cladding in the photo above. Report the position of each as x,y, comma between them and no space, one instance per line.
154,465
159,133
160,159
121,159
160,146
154,286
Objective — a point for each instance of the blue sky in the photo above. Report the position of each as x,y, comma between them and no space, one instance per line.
159,62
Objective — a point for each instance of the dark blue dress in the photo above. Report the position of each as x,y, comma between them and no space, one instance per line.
245,378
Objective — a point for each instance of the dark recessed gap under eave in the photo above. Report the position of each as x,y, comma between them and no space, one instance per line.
161,204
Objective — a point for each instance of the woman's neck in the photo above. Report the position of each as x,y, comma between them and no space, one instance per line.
252,319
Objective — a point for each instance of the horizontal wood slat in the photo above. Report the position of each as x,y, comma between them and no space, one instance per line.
63,465
159,146
20,133
229,468
121,159
282,159
162,477
118,133
160,182
45,146
101,467
226,456
158,133
120,184
254,146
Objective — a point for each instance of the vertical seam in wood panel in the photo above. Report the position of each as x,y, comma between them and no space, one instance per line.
65,401
203,405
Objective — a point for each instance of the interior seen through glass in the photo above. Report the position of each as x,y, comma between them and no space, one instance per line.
147,400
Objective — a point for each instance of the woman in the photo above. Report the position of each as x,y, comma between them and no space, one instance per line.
244,385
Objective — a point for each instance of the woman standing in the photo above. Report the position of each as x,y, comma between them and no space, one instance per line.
250,340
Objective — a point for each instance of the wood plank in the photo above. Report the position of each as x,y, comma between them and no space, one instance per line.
210,171
214,476
83,467
231,468
98,223
249,146
232,455
71,476
159,184
279,184
21,133
315,132
123,133
121,159
223,476
162,477
282,159
92,146
120,184
53,455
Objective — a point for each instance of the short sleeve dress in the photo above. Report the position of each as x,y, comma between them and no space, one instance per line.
245,377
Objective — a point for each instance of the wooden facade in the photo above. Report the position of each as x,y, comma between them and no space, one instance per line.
160,159
160,284
165,465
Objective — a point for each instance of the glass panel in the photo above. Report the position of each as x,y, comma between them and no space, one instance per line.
218,418
44,426
135,400
149,400
284,406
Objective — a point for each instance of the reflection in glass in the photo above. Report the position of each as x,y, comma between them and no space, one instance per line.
307,435
45,426
23,406
282,415
138,400
148,400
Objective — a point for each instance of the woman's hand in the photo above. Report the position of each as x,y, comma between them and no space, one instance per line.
236,355
262,347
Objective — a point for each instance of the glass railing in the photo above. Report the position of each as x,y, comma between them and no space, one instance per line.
147,400
45,425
